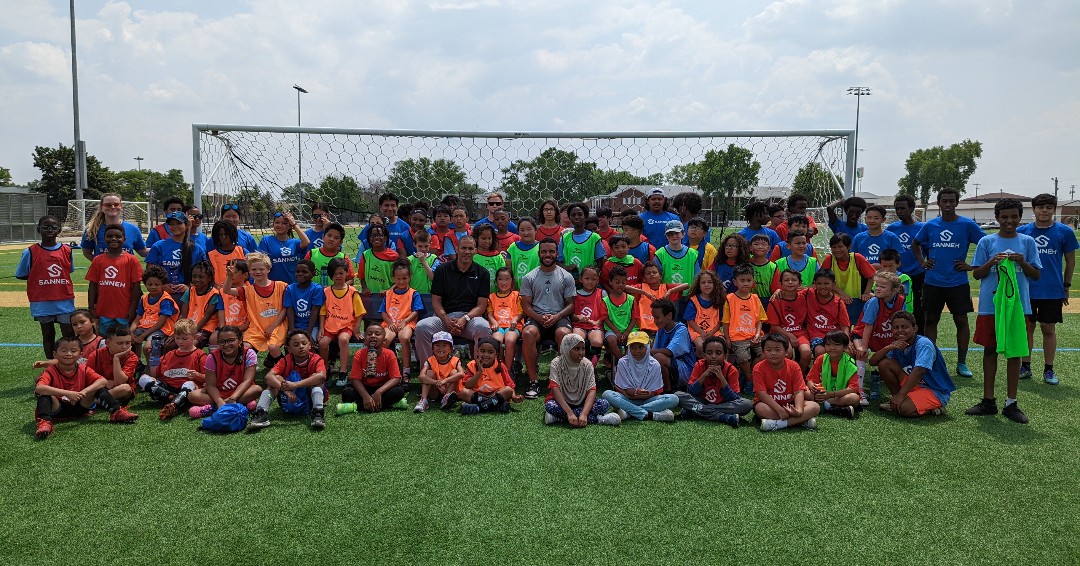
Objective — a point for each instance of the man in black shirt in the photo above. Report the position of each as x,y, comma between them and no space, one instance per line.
459,297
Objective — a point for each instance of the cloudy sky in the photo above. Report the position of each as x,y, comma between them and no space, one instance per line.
1005,73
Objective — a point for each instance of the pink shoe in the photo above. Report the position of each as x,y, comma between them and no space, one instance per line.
201,411
251,406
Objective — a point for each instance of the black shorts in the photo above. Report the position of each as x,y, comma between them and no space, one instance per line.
548,334
1046,311
935,299
67,411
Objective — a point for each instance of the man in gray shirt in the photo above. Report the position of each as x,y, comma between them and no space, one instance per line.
547,299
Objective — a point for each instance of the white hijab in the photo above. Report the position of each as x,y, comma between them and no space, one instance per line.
575,380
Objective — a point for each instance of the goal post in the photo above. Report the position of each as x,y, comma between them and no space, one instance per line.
348,168
135,212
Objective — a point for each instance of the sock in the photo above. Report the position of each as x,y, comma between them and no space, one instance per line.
1010,401
826,405
145,381
264,401
1048,367
782,423
317,398
861,365
180,401
106,400
44,407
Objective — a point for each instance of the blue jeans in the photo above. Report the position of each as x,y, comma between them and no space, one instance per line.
640,409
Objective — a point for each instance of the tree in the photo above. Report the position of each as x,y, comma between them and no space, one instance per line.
817,184
933,169
5,177
134,184
684,175
415,180
555,173
607,181
729,172
57,167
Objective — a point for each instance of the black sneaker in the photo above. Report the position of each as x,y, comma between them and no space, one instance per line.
533,391
985,407
259,420
1014,414
317,421
846,412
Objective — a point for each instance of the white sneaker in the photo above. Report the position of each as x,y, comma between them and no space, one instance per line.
768,425
810,424
549,418
665,416
622,414
611,419
421,406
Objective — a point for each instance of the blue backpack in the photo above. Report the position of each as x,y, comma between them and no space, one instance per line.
302,406
231,417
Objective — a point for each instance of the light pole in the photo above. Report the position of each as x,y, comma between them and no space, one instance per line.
80,148
299,149
140,160
859,92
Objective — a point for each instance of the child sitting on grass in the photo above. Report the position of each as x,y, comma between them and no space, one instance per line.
298,381
572,392
375,377
834,379
230,375
713,391
117,364
69,390
180,372
440,374
914,370
779,389
487,385
639,385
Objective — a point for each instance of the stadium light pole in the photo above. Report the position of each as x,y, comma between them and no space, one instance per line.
859,92
299,149
80,148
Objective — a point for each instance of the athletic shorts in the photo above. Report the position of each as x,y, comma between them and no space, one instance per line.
958,299
64,318
815,342
548,334
985,333
1046,310
745,351
70,411
105,324
157,334
924,399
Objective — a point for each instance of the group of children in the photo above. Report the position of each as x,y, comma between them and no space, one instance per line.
683,324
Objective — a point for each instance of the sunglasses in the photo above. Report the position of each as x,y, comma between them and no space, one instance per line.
196,217
495,203
316,216
235,207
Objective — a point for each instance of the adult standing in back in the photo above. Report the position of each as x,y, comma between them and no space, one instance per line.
495,203
110,211
547,299
400,231
656,217
459,297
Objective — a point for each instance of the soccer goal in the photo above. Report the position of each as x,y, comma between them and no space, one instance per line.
348,168
80,212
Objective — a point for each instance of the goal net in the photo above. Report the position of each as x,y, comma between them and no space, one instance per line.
266,168
135,212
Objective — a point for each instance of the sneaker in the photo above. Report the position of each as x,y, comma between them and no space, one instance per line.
610,419
44,429
963,371
167,412
731,420
421,406
983,408
550,419
402,404
469,409
1050,378
317,420
122,415
1025,372
200,411
811,424
1014,414
768,425
260,419
622,414
665,416
533,391
405,377
863,400
448,400
846,412
342,380
252,405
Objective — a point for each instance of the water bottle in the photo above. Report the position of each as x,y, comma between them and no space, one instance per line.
155,350
346,408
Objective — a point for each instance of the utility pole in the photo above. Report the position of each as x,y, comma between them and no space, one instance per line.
977,185
1072,192
80,147
1055,179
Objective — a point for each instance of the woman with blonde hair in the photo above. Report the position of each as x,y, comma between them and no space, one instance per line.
110,211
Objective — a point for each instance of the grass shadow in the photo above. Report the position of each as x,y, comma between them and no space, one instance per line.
1008,432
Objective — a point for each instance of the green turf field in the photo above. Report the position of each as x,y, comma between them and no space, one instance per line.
437,488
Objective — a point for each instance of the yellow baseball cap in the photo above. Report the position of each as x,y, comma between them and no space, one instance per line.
638,337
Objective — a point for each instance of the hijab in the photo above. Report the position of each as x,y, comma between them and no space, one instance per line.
575,380
632,373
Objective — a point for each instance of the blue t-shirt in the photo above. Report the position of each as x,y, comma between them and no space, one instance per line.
841,227
785,251
133,240
44,308
925,354
946,242
399,229
166,253
314,238
304,303
283,257
201,239
749,233
244,239
872,246
726,273
655,225
168,307
994,244
1053,243
678,341
641,252
511,227
906,234
598,250
871,308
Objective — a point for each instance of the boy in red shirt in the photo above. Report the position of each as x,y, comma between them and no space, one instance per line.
115,279
713,391
46,268
375,376
180,373
834,379
825,311
787,315
779,389
116,363
68,390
